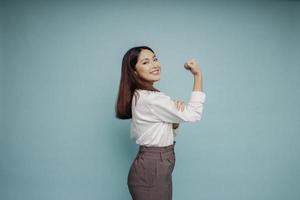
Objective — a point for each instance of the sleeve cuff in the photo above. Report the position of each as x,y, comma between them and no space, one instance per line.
197,96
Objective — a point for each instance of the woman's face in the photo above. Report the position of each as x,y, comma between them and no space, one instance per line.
148,67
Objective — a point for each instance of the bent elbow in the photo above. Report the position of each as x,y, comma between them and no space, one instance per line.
194,118
197,118
195,113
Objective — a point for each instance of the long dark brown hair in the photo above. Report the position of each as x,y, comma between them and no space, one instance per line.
129,82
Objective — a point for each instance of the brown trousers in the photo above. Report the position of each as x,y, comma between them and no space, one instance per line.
150,174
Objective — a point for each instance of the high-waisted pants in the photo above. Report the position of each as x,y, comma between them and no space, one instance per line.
150,174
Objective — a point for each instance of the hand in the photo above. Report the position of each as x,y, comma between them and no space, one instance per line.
193,66
179,105
175,125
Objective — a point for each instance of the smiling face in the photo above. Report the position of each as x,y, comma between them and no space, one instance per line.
148,67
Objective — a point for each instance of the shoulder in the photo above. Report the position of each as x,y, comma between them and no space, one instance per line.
150,97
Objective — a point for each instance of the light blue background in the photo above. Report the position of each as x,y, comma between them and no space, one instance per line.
60,72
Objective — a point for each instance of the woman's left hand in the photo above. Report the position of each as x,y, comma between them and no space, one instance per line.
175,125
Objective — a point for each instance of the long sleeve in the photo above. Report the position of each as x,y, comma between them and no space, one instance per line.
164,108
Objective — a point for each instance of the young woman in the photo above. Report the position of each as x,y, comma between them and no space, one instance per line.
154,116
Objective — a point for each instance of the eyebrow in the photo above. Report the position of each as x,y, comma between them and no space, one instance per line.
147,58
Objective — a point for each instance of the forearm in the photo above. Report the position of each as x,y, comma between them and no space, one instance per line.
197,82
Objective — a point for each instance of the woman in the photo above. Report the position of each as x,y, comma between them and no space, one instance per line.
154,116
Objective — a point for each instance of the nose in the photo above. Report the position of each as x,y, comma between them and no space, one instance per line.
157,65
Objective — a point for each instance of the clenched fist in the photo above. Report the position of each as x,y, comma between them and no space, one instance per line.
193,66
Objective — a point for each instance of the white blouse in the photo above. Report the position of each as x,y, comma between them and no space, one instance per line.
154,112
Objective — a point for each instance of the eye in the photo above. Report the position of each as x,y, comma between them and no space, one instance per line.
155,59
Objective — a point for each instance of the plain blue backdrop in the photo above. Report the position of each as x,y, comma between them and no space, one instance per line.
60,73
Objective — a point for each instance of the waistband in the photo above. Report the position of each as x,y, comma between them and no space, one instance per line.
143,148
153,152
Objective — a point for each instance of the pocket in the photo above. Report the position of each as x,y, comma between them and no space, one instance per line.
173,164
172,161
165,172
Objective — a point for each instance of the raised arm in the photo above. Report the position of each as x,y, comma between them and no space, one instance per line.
163,107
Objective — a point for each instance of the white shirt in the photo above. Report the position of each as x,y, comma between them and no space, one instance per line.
154,113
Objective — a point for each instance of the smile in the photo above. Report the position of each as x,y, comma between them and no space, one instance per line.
156,72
